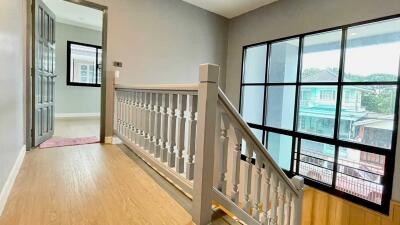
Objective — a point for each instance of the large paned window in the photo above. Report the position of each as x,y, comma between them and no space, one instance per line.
330,109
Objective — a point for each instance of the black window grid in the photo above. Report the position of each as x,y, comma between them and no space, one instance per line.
389,154
97,70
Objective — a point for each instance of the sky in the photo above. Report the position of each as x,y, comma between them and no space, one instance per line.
383,58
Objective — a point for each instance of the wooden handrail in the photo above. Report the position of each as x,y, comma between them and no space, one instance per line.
247,131
161,87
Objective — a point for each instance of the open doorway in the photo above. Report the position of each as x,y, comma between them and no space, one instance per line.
67,72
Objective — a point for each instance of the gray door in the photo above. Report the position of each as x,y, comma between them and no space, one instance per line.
43,77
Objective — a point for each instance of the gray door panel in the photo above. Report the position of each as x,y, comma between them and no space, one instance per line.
43,80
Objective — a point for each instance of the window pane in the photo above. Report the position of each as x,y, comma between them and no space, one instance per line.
280,148
283,61
321,57
99,58
317,110
254,64
360,174
252,100
373,51
258,133
316,161
280,106
83,62
367,114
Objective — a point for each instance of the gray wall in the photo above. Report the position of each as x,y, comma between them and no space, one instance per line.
74,99
163,41
291,17
11,84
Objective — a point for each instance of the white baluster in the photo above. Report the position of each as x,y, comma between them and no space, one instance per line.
157,126
146,121
281,207
131,108
126,115
115,124
164,127
124,108
267,188
293,210
139,116
180,134
152,115
247,176
223,152
298,201
143,120
122,112
171,130
288,208
257,187
118,103
274,202
236,165
192,109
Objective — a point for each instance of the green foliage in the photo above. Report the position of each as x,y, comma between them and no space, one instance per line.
379,100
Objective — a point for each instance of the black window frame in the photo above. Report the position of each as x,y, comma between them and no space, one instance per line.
387,178
98,66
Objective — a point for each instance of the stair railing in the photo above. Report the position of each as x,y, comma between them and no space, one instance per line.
193,135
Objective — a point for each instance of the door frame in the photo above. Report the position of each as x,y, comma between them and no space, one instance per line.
29,57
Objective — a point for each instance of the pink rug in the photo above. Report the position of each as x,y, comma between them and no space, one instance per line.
60,141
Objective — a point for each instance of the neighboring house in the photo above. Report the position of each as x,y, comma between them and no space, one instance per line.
317,115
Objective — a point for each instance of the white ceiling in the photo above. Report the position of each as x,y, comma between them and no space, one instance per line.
74,14
229,8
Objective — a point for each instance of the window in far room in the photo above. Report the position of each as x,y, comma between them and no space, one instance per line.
83,64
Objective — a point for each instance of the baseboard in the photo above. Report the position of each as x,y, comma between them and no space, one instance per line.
76,115
6,190
108,140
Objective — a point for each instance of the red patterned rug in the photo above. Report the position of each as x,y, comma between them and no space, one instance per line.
60,141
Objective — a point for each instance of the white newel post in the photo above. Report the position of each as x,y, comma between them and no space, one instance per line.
298,203
204,161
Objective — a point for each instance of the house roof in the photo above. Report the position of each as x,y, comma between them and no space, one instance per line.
324,75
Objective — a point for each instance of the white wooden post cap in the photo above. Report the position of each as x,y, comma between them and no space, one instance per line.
209,73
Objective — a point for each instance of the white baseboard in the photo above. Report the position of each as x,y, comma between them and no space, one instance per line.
6,190
108,140
76,115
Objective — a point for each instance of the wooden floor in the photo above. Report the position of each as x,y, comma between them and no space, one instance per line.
77,127
88,185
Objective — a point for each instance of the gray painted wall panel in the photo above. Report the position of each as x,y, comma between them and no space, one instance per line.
74,99
11,84
163,41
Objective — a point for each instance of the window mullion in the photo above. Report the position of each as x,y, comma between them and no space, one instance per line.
338,103
267,56
296,106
